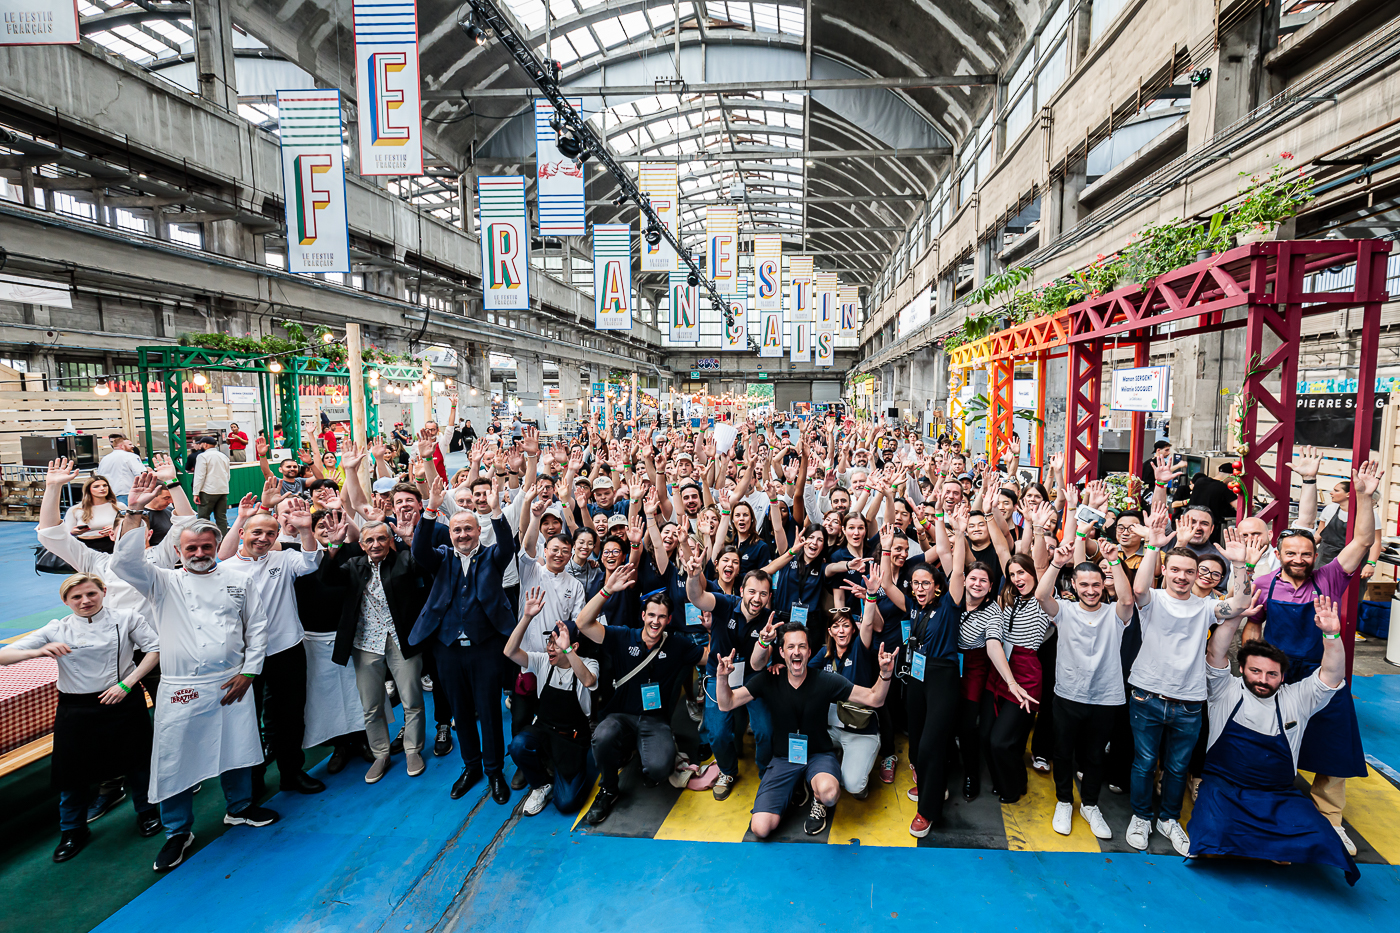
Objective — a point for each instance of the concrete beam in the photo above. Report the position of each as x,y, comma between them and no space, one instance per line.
722,87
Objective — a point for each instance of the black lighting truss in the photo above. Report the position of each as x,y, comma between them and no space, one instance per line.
486,16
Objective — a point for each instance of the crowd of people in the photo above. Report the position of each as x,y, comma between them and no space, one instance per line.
824,585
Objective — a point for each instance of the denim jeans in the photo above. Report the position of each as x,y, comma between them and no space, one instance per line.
73,804
1166,730
530,751
177,812
719,731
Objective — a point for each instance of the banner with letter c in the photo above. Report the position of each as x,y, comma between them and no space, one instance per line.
505,243
387,87
313,180
734,335
612,276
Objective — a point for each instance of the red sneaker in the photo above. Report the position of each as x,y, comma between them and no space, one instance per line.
919,828
913,793
887,769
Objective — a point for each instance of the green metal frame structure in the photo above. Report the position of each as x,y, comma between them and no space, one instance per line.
170,364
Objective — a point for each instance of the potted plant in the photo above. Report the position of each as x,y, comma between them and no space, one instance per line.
1270,203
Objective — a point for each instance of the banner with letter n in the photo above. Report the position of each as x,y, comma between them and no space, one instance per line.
801,341
800,288
722,247
849,299
387,87
560,180
771,330
658,181
684,313
313,180
612,276
824,347
824,306
768,272
505,243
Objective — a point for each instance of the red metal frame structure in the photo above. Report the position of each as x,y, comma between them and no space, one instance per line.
1001,408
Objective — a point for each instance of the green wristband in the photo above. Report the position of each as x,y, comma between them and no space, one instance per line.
250,676
1149,547
125,688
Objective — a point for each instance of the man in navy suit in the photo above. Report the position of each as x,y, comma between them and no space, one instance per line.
465,623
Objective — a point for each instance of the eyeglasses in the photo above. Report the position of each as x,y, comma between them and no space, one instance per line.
1210,574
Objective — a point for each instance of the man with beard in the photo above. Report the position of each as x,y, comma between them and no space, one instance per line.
1248,806
1332,745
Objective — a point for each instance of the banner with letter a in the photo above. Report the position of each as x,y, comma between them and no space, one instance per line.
800,288
313,181
824,346
801,341
684,300
722,247
505,243
612,276
387,87
850,303
771,330
824,300
658,181
768,272
560,180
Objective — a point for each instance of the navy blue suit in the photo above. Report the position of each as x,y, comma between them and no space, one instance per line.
470,608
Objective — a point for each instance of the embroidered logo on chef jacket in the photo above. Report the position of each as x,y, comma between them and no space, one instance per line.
235,591
273,571
634,650
184,695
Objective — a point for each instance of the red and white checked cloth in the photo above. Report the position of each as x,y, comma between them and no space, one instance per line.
28,701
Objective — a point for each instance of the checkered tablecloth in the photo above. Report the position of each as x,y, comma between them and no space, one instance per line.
28,701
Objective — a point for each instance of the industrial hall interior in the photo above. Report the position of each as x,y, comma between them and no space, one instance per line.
609,464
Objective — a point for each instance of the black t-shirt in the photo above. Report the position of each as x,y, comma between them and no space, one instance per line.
988,555
731,630
625,650
1214,495
803,710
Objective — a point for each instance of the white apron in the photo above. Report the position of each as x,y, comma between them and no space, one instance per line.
197,739
332,700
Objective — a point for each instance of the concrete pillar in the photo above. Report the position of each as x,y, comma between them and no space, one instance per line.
1061,210
213,53
529,382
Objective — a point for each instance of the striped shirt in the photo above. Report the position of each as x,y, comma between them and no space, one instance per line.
1024,623
975,624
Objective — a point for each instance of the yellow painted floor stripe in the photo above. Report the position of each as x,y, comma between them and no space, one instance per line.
1027,821
883,817
698,817
586,804
1373,811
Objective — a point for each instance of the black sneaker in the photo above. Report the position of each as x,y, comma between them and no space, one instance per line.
800,795
252,815
602,806
173,852
443,744
816,819
396,746
104,804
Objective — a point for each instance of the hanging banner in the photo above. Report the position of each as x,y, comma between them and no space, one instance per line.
505,243
313,181
849,301
768,272
800,288
824,346
771,328
824,306
734,334
39,22
657,181
684,300
801,341
612,276
722,247
386,87
560,179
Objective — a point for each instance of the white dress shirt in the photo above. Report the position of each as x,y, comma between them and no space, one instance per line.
274,578
120,467
101,647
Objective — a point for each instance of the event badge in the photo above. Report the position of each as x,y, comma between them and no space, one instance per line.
736,676
464,641
797,749
651,696
692,616
916,666
905,629
798,614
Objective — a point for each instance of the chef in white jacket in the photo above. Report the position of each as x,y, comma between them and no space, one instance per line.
213,638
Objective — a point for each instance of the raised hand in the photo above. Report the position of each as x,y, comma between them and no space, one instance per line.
724,667
261,448
1306,462
436,491
298,514
425,444
247,507
1325,616
886,536
144,488
1096,494
530,441
636,531
1157,524
1162,468
620,579
1108,551
534,603
1062,555
887,661
164,467
1234,549
352,457
1366,481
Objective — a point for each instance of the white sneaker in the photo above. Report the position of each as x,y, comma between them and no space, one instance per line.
694,711
537,799
1138,831
1041,765
1064,813
1174,831
1097,824
1346,840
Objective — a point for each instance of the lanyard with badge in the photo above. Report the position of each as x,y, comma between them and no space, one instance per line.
797,748
798,614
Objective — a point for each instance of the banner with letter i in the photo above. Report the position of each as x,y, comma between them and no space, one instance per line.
801,341
658,181
824,346
612,276
824,305
768,272
505,243
387,87
850,302
560,180
313,181
684,300
800,288
722,247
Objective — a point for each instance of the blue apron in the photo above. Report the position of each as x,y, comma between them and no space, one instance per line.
1248,807
1332,742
